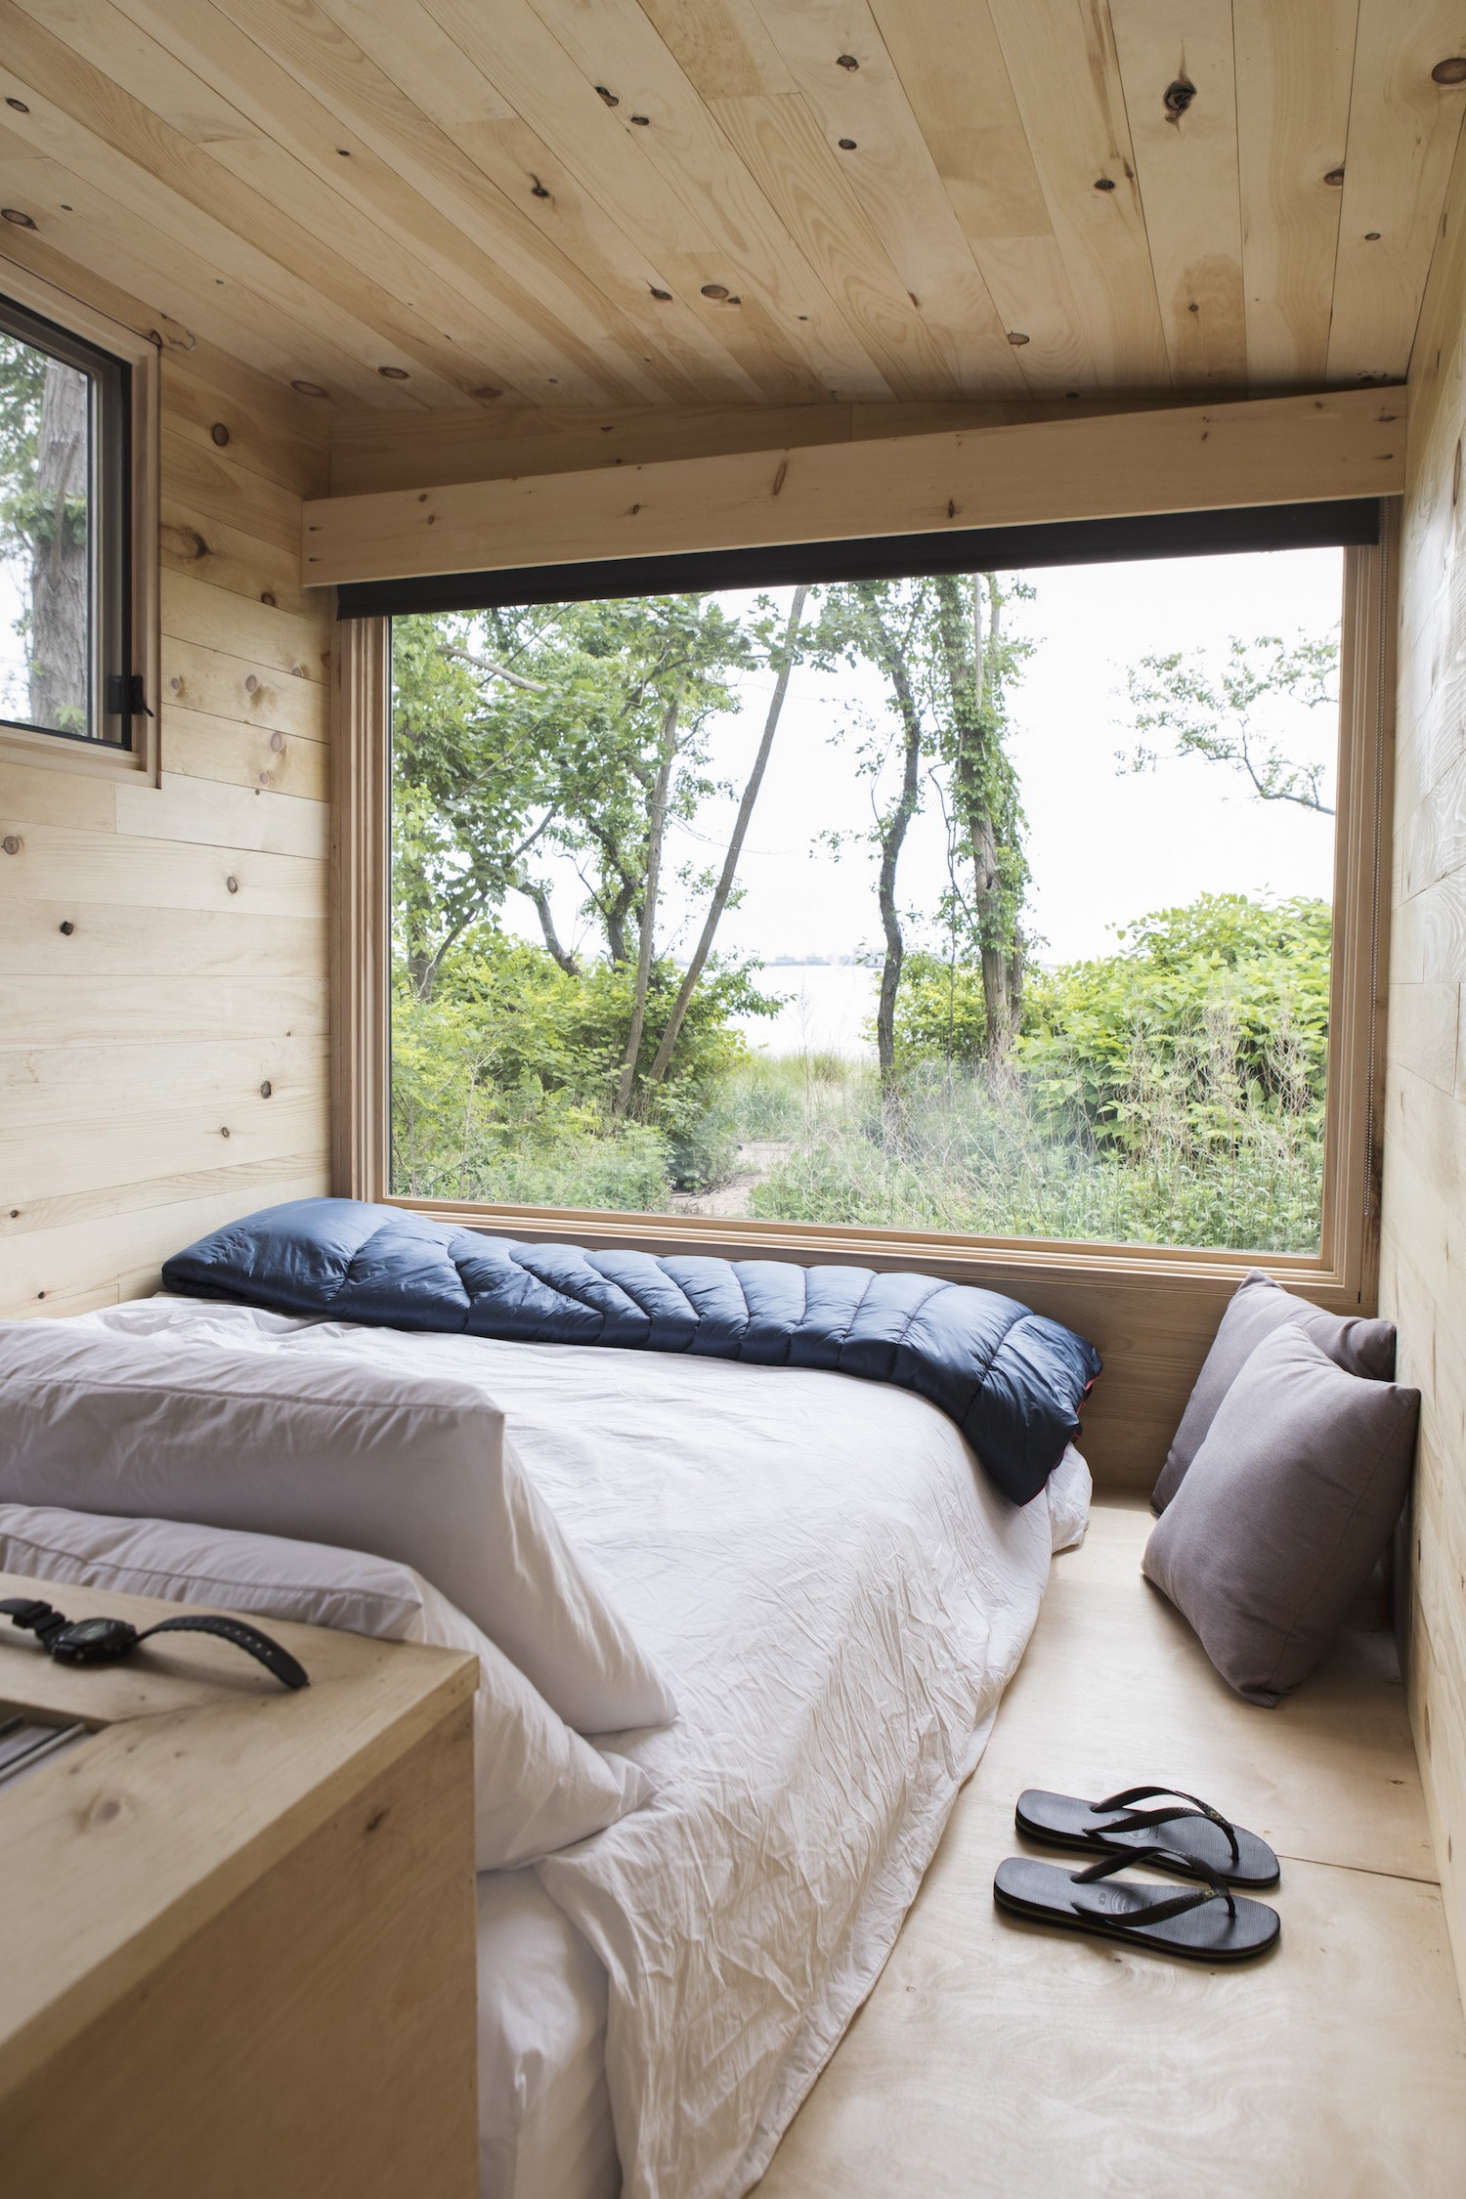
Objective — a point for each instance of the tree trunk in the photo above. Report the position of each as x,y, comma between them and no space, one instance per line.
892,838
539,899
422,969
59,683
969,664
1002,957
891,657
735,845
656,830
612,909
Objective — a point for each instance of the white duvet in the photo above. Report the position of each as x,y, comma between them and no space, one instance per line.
838,1597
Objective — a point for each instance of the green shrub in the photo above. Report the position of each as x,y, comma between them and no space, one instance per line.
503,1080
940,1013
974,1154
1205,1008
1172,1093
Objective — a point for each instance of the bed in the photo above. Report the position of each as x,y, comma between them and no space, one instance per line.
544,2104
838,1596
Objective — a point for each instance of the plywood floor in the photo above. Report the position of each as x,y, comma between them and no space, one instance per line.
992,2058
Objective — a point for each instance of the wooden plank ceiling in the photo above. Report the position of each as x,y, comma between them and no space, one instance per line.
456,205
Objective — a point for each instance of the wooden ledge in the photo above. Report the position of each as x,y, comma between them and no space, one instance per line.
202,1775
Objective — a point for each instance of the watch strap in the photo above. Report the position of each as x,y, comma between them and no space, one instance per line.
35,1617
277,1662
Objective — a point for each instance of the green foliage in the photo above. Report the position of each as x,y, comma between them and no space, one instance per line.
1206,1009
44,527
940,1012
518,732
777,1097
975,1155
1219,709
1171,1093
939,644
22,382
503,1075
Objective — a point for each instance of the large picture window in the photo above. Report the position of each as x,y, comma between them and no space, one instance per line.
73,654
992,903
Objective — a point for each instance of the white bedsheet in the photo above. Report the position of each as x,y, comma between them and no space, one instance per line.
838,1597
545,2125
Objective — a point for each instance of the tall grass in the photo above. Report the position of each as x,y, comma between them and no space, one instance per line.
1174,1146
1189,1155
1190,1158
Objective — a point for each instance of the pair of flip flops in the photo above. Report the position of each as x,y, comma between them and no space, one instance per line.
1210,1922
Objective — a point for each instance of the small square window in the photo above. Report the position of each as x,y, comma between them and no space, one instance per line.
73,658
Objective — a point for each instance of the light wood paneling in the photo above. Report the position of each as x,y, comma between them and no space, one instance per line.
1401,142
1423,1260
1182,458
1295,69
1065,72
993,2057
701,202
1178,72
165,1016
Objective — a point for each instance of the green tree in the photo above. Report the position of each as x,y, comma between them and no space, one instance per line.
580,731
783,659
947,664
1218,708
516,732
473,791
44,528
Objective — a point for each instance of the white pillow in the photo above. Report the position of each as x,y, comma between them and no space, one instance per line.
322,1444
537,1785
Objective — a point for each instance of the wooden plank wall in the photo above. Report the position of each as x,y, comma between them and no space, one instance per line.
163,1061
1423,1254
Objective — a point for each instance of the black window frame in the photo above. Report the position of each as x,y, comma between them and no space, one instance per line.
115,698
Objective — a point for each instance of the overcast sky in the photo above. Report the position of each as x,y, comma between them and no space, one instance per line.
1103,846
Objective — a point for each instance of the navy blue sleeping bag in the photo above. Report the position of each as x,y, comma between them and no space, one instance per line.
1012,1380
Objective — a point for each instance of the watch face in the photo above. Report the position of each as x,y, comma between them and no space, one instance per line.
85,1632
91,1641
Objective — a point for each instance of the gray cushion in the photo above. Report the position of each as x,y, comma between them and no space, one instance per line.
1285,1508
1257,1307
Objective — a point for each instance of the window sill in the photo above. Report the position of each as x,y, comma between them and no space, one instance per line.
94,759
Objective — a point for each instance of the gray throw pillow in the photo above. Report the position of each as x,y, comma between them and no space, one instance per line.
1257,1307
1285,1508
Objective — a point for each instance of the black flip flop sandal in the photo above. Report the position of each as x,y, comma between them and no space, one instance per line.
1204,1925
1198,1841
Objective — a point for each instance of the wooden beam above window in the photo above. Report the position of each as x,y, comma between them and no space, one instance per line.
1274,450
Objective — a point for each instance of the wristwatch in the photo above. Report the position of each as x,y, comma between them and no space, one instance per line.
104,1641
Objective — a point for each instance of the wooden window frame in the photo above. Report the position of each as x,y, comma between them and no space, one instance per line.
130,538
1341,1275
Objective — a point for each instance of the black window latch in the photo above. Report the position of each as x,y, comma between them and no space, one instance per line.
125,696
